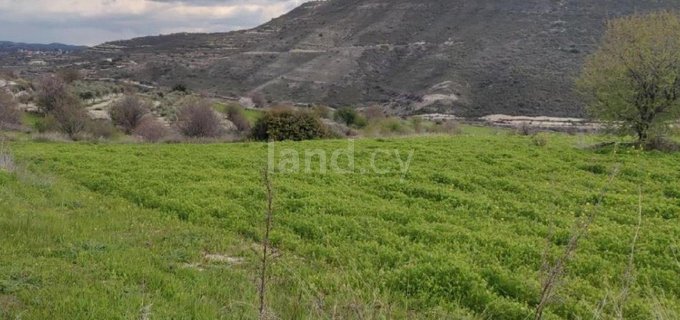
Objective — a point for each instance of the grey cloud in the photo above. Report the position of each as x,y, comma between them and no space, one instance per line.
75,28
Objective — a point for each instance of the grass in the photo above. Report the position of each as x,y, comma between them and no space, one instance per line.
122,231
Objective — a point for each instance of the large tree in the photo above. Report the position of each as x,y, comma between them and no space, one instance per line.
632,81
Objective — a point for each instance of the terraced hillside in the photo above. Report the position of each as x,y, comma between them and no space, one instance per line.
466,57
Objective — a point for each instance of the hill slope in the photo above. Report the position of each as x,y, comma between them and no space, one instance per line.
466,57
12,47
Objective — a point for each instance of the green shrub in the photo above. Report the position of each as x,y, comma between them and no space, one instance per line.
540,139
46,124
288,124
350,117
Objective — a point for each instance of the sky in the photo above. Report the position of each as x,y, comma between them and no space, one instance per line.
91,22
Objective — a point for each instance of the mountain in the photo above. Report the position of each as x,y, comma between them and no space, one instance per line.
12,47
466,57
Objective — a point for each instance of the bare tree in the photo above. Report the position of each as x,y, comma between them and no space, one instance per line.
70,116
128,112
198,120
151,129
51,90
9,114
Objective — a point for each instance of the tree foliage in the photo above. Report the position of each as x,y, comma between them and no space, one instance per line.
633,80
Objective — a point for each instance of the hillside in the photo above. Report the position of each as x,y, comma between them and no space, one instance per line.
13,47
107,231
466,57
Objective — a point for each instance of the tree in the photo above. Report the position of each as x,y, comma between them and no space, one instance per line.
51,90
70,116
128,112
632,81
197,119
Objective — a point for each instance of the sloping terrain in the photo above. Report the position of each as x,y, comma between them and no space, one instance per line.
467,57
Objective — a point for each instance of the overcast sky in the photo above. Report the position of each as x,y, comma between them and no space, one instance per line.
91,22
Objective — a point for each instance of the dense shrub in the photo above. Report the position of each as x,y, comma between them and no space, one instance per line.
151,129
51,92
237,116
128,112
10,116
288,124
350,117
197,119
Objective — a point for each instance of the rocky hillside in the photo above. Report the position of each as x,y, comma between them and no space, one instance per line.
466,57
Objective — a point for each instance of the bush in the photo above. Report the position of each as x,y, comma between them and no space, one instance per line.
128,112
71,118
540,139
46,124
258,99
100,129
237,116
180,87
374,113
322,112
350,117
525,130
51,92
151,130
69,75
288,124
198,120
10,116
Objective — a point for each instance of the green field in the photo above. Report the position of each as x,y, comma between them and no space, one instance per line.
118,231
